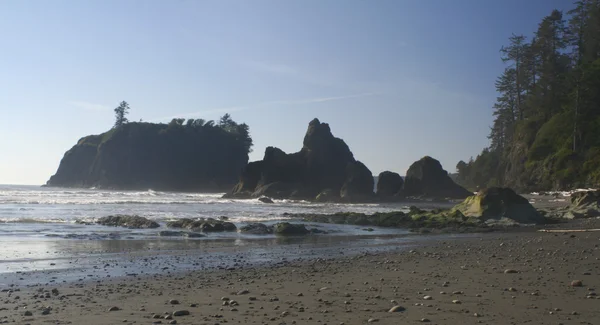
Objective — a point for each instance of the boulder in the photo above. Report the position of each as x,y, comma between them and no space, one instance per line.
427,178
495,203
128,221
287,229
256,229
389,184
324,163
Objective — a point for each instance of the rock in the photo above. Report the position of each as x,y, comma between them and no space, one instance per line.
256,229
427,298
425,320
265,200
55,292
497,203
243,292
324,162
286,228
174,302
427,178
202,225
359,183
181,313
27,313
128,221
456,301
396,309
389,184
114,308
168,233
509,271
576,283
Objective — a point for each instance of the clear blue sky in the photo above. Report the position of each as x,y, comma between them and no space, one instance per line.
396,79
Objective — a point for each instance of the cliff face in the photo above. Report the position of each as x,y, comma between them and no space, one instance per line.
324,164
155,156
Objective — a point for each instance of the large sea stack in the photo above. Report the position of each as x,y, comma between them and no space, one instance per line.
190,157
427,178
324,167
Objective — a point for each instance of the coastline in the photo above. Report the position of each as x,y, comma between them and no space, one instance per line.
348,288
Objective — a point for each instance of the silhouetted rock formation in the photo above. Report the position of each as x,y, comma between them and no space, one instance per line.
324,164
427,178
389,184
191,157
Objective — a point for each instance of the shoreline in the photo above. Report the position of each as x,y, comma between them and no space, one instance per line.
351,289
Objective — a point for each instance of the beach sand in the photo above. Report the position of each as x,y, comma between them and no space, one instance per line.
466,281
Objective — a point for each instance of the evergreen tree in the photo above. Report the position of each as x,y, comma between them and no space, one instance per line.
120,112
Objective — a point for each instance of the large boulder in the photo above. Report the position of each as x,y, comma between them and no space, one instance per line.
497,204
324,163
389,184
134,222
427,178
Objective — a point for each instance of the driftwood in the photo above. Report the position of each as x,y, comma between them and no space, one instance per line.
568,230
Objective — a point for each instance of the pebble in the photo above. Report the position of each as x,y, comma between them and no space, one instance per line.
425,320
396,309
510,271
427,298
174,302
114,308
181,313
576,283
456,302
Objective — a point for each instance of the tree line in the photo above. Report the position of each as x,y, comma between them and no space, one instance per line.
546,128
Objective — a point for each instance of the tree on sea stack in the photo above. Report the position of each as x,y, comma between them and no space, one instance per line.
120,113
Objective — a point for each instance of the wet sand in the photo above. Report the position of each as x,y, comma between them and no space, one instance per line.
465,278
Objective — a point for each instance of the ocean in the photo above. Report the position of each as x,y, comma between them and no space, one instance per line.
40,233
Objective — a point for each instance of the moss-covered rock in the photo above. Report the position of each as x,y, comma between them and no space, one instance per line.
134,222
497,203
256,229
202,225
286,229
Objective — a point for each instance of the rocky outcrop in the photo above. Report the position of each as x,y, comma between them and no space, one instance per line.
134,222
497,204
427,178
141,156
325,163
202,225
389,184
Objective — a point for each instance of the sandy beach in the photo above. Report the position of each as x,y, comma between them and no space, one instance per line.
509,278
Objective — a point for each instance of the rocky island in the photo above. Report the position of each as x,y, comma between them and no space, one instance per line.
184,156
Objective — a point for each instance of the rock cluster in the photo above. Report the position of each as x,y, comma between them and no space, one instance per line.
324,167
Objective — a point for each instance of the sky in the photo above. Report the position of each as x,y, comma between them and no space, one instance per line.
396,79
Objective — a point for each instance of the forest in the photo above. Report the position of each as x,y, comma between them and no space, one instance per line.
546,129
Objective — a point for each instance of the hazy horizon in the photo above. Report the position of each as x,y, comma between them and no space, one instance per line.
396,80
